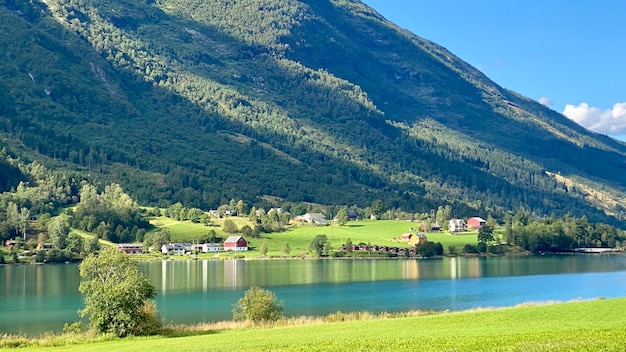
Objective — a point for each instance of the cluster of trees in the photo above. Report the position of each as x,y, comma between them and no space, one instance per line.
560,234
111,215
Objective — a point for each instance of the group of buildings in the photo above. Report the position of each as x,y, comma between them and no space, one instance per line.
232,243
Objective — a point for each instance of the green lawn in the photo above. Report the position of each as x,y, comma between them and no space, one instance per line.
576,326
382,232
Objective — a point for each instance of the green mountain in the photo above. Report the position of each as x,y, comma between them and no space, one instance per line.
320,100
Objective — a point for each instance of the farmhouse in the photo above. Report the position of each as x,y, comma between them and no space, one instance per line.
314,218
457,225
130,248
173,248
236,244
211,247
476,222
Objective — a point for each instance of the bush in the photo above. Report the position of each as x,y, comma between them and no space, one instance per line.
468,248
258,306
429,249
481,247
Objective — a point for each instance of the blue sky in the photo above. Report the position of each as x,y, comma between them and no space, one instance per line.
567,54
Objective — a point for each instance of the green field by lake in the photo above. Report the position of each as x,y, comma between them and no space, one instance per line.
381,232
597,325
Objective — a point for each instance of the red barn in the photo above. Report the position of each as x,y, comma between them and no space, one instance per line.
476,222
236,244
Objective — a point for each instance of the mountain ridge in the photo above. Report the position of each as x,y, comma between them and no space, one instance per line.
328,102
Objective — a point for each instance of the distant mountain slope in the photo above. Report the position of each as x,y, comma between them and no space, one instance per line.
325,101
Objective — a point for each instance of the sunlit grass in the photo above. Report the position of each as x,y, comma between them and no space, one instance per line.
575,326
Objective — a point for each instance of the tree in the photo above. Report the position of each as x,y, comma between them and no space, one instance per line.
485,234
58,230
377,208
342,216
117,295
258,306
264,249
229,226
319,245
286,248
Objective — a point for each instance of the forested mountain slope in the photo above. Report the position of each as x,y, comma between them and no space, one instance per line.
320,100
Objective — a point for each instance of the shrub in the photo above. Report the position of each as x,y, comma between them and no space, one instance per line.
468,248
258,306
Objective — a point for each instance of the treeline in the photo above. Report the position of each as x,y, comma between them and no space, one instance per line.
560,234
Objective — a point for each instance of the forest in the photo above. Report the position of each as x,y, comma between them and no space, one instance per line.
325,102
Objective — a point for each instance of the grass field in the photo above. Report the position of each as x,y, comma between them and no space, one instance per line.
382,232
598,325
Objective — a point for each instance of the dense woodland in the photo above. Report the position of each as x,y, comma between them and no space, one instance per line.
200,102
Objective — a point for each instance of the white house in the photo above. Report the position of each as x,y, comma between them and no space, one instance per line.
314,218
211,247
173,248
457,225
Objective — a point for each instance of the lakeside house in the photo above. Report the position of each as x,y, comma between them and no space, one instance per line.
130,248
173,248
236,244
211,247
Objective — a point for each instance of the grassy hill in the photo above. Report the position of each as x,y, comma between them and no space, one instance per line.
577,326
317,101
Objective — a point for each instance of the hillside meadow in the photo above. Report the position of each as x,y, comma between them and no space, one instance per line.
574,326
299,236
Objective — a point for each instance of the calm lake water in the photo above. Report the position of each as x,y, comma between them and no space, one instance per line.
39,298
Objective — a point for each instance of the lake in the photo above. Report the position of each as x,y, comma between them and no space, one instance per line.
39,298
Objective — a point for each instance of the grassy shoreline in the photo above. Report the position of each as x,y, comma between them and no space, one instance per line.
572,326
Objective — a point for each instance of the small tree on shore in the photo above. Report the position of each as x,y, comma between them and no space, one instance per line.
258,306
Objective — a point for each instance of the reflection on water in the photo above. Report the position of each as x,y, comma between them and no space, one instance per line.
37,298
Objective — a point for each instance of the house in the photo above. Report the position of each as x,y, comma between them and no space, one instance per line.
314,218
352,215
236,244
434,227
457,225
130,248
173,248
211,247
419,238
476,222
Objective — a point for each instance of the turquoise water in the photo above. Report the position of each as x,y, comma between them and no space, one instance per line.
39,298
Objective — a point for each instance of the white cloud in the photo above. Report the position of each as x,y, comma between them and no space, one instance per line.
610,121
546,101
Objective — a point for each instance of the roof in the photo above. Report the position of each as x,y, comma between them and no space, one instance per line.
477,218
234,239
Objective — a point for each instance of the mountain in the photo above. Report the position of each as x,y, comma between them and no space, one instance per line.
320,101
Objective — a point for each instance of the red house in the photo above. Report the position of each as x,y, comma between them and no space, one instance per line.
476,222
236,244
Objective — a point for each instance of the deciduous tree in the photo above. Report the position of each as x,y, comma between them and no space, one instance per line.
117,295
